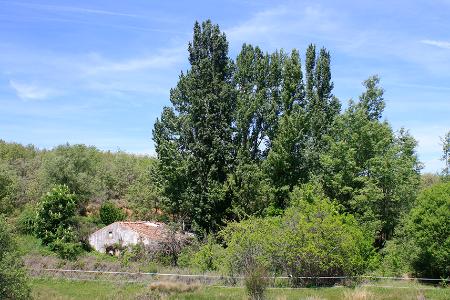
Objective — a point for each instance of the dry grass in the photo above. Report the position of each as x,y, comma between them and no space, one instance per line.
170,287
358,294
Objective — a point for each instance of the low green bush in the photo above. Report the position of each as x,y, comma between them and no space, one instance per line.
110,213
55,221
13,279
422,242
311,239
26,220
209,257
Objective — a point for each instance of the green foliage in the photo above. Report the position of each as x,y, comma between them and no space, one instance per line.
371,171
397,256
26,219
31,245
83,227
19,167
74,166
110,213
54,223
65,248
311,239
55,213
194,138
428,180
13,279
249,190
428,226
144,194
209,257
9,185
26,174
422,242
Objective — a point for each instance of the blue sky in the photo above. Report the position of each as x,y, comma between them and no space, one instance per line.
99,72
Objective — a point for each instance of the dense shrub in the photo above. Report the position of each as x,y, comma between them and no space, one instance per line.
26,219
9,184
55,211
210,257
110,213
83,228
311,239
423,242
75,166
55,220
66,249
13,280
429,223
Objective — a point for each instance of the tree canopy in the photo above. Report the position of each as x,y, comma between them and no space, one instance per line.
240,136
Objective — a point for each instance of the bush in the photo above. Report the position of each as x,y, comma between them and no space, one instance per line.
9,186
66,250
66,244
170,248
13,280
55,213
209,257
110,213
26,219
423,242
55,220
429,225
256,280
310,239
83,228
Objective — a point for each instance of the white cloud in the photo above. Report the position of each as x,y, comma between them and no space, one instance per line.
164,59
436,43
277,24
71,9
28,91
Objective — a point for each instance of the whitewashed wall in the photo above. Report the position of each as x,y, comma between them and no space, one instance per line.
120,234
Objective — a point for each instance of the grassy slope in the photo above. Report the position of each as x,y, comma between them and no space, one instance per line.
73,290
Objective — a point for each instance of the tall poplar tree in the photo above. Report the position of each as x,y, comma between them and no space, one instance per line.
308,111
194,137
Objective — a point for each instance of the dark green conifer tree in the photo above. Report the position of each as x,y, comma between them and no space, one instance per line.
194,139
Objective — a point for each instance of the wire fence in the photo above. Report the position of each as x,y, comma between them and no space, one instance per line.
209,279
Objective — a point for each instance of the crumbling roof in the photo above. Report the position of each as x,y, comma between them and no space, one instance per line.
152,230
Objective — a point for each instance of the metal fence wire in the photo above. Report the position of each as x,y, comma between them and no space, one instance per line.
207,279
137,277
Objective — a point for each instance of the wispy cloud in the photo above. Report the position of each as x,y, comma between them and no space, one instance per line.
285,21
72,9
28,91
164,59
436,43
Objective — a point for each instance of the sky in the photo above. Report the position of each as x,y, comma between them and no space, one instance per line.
99,72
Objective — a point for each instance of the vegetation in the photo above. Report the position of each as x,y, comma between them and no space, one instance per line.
310,239
238,145
422,243
110,213
74,290
258,158
54,223
13,280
